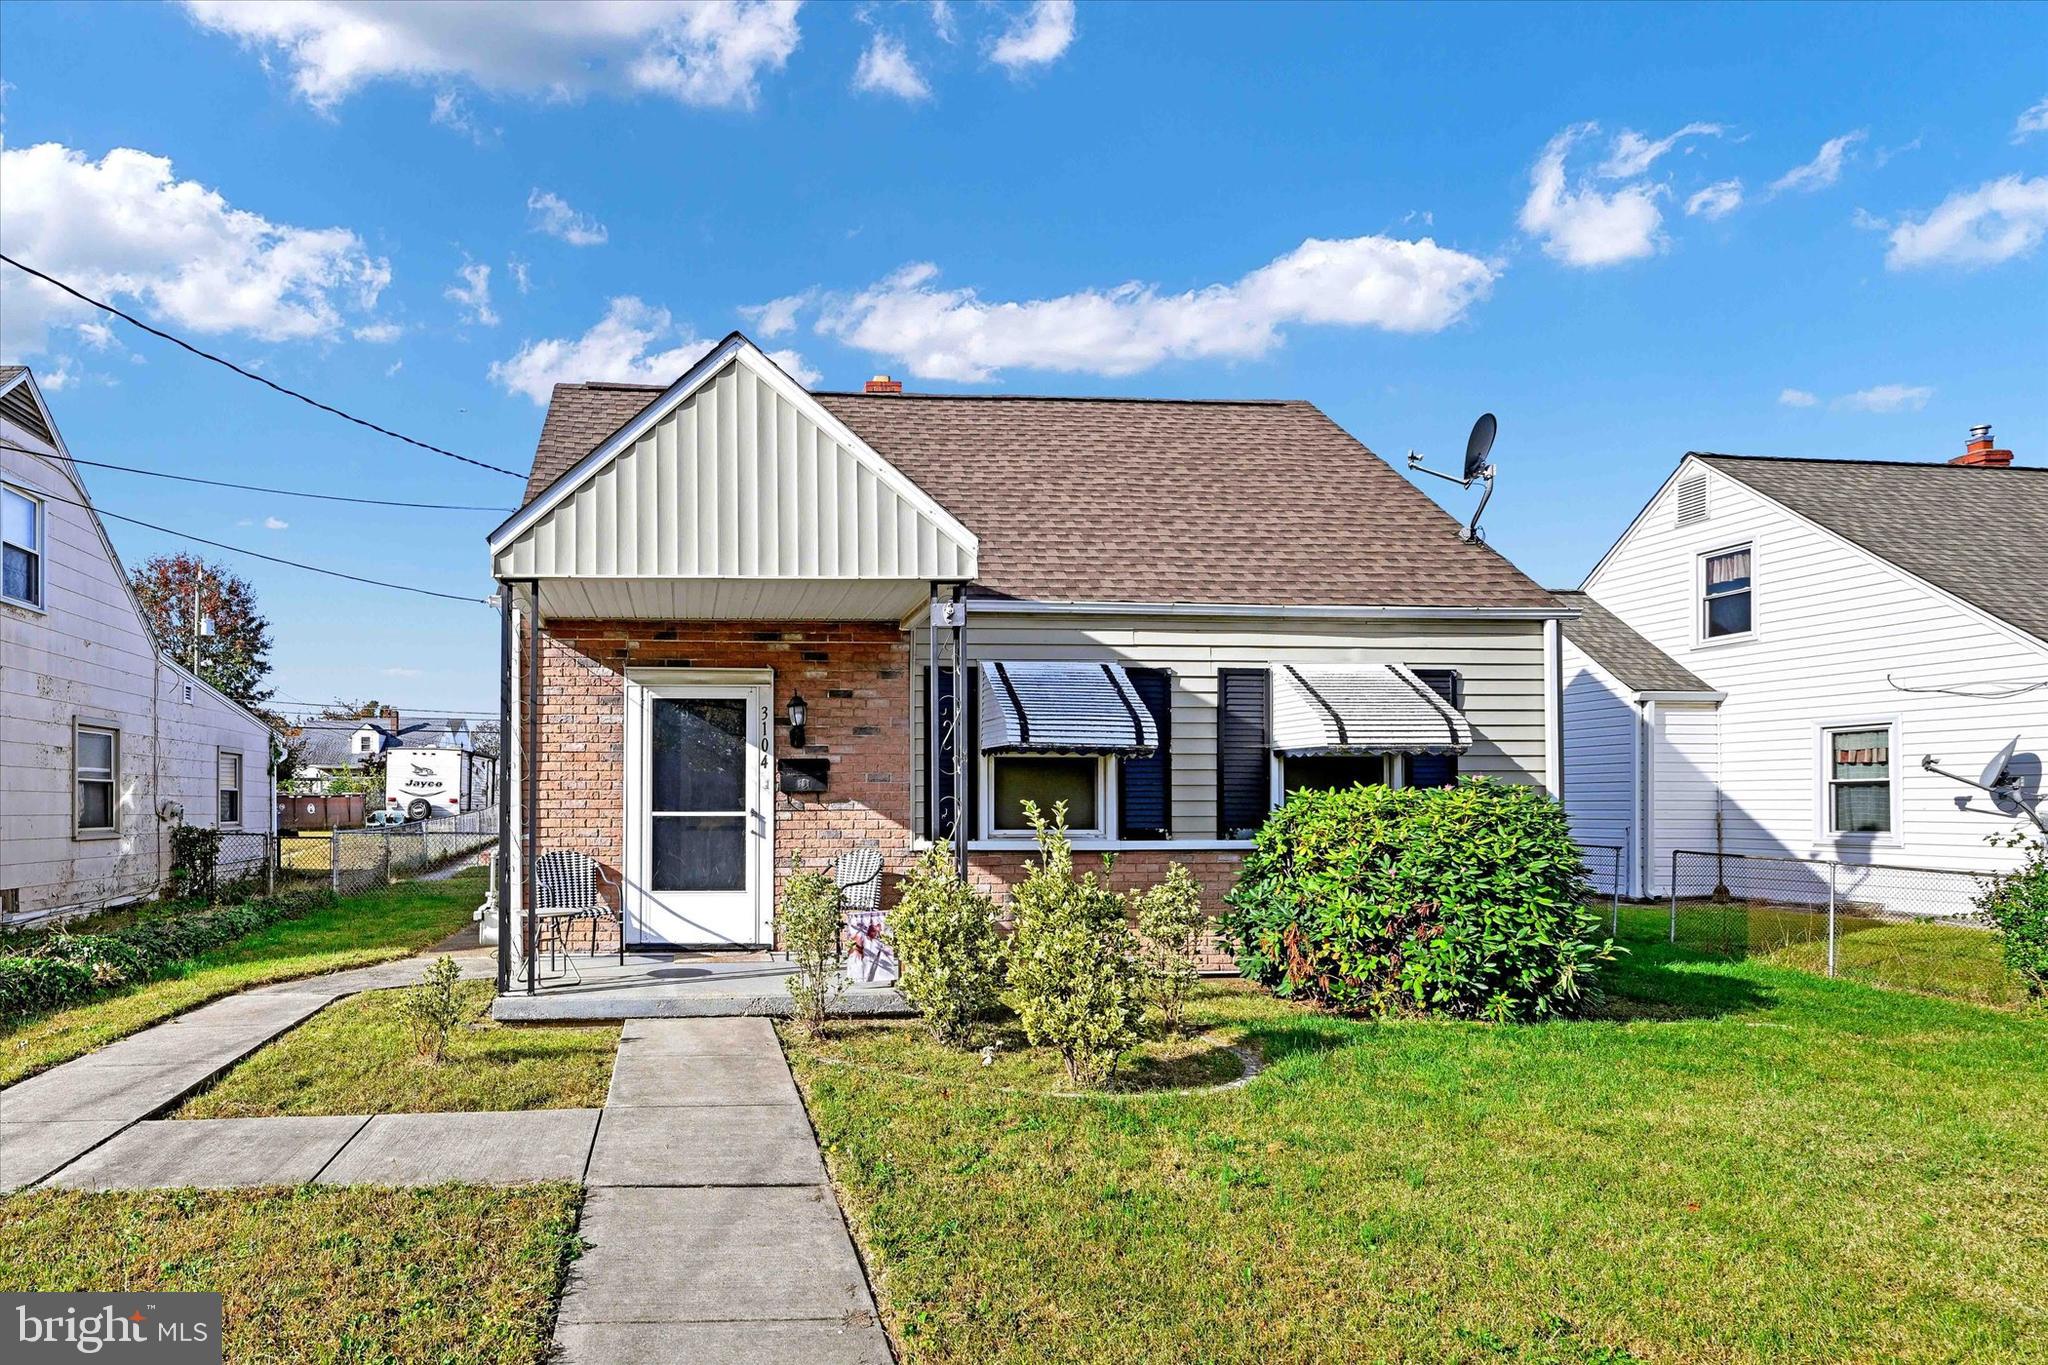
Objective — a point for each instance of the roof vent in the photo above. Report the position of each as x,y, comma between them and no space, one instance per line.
1979,454
882,383
1692,500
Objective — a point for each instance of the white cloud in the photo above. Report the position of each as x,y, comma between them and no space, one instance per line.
400,672
1037,37
2034,119
452,111
548,212
1578,224
620,347
522,275
123,227
1796,398
773,318
943,21
1887,398
1632,153
473,295
700,52
886,69
1825,168
1393,285
1717,200
795,367
61,375
391,370
1994,223
275,524
379,333
97,335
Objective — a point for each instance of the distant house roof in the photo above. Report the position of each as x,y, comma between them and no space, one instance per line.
1632,660
1978,533
1141,500
329,743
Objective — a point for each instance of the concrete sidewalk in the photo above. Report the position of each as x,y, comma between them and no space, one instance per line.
712,1232
50,1120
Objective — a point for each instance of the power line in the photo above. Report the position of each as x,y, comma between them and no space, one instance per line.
249,374
258,488
258,554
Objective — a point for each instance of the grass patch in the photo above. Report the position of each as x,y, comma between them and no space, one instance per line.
450,1274
355,931
354,1057
1736,1162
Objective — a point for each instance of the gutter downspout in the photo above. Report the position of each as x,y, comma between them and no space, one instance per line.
156,763
1553,708
530,781
499,791
1649,742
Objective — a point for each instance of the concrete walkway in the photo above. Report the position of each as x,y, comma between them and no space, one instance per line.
51,1120
712,1233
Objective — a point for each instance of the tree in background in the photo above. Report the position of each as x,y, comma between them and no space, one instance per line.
234,657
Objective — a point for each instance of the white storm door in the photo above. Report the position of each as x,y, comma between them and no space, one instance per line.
697,818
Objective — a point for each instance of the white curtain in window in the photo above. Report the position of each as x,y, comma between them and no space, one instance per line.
1731,569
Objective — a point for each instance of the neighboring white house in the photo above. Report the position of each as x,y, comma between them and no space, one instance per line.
1773,646
104,741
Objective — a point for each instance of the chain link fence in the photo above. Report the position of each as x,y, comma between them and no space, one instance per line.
1908,928
350,860
1603,871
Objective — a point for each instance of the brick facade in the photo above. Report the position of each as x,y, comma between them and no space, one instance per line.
855,679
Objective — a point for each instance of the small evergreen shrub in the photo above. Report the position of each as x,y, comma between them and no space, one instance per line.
1074,977
195,861
431,1010
1468,901
2017,904
949,948
809,925
1170,924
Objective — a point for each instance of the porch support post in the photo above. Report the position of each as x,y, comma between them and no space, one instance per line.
532,777
962,817
503,870
931,715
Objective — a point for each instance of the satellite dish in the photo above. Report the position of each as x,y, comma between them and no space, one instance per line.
1994,772
1479,445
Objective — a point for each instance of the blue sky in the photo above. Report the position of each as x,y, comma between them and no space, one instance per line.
1629,231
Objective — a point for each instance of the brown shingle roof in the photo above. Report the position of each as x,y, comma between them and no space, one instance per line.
1633,660
1979,533
1143,500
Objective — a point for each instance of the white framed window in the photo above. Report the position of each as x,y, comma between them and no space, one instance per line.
1080,780
21,548
1860,799
229,810
1727,594
95,778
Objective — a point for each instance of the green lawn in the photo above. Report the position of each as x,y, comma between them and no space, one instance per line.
1737,1161
355,1057
376,926
444,1275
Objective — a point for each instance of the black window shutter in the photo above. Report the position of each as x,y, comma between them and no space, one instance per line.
1145,790
1438,770
1244,756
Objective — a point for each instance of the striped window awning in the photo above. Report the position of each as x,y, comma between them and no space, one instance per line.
1362,709
1062,708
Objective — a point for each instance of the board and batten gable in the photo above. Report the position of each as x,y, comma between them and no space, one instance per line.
1500,662
1834,626
86,658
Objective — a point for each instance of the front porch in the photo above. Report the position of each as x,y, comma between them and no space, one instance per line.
703,985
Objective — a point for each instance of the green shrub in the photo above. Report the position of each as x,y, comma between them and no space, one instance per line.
809,925
1074,977
2018,905
949,950
1468,901
1170,924
431,1010
195,860
60,969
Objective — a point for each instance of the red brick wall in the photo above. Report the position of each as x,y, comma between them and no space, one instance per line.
855,680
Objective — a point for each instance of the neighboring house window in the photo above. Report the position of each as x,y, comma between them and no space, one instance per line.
363,745
1859,767
96,762
1044,780
230,791
1331,772
1438,770
21,548
1725,605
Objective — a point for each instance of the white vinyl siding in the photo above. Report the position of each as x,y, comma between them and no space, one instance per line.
1682,783
1600,748
1501,663
1841,635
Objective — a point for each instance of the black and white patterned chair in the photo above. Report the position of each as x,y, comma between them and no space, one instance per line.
858,874
565,891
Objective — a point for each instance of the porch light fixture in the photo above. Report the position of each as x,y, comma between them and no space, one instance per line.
797,714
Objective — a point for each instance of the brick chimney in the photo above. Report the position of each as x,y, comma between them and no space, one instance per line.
390,719
1979,454
882,383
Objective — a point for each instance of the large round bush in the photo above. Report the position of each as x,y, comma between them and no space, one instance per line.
1468,901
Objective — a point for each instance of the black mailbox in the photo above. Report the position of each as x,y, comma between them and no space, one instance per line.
802,776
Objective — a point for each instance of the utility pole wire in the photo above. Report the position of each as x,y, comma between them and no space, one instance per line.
158,332
258,488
